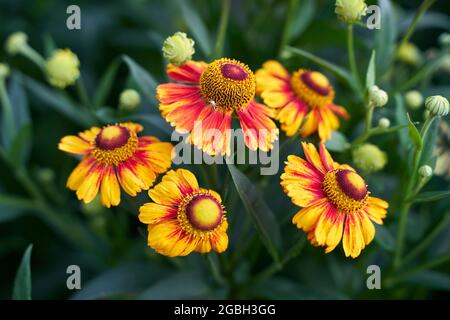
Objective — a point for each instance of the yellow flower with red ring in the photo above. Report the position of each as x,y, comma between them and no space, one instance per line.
184,217
304,100
115,156
335,200
205,99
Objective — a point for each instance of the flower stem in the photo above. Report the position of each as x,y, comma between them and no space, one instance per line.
287,26
426,4
34,56
351,55
82,93
8,116
215,268
224,17
367,128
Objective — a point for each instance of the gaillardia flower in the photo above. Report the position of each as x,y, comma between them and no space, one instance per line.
115,155
184,217
305,93
205,103
336,203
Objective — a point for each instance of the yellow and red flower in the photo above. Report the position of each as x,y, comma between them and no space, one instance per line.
184,217
115,155
205,100
336,203
305,97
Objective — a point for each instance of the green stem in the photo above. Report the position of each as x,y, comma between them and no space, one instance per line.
287,26
428,239
8,117
215,269
82,93
426,4
367,128
224,17
35,57
351,55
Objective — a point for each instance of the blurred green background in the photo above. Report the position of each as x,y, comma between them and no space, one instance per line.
121,266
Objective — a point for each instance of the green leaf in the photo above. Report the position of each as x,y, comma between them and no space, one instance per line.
8,212
259,211
385,37
106,83
21,147
431,196
384,238
196,26
431,279
188,284
123,280
401,119
414,134
107,115
338,142
22,282
59,102
302,18
371,71
146,83
429,142
49,45
19,101
282,288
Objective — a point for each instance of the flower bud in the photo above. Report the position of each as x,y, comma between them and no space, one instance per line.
178,48
129,100
377,96
63,68
350,11
369,158
4,71
437,106
444,39
425,171
409,53
384,123
16,43
413,99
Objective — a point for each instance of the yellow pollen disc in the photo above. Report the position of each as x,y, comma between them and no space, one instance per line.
319,79
228,84
200,214
346,190
312,87
114,144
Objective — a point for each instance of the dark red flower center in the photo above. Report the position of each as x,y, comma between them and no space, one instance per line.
233,71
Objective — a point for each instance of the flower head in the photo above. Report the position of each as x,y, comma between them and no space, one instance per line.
425,171
63,68
378,97
184,217
129,100
205,103
178,48
114,155
350,11
384,123
4,71
303,97
437,105
409,53
16,43
369,158
335,200
413,99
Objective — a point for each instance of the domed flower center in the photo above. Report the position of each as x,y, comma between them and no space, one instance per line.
312,87
114,144
345,189
227,84
204,212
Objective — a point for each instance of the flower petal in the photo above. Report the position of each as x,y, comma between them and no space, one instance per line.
109,190
169,239
167,193
75,145
151,213
307,218
353,240
313,157
187,72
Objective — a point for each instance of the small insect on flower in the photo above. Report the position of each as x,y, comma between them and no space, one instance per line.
304,94
335,200
205,103
63,68
184,217
115,155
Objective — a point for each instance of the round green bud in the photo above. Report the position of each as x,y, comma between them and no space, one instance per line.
413,99
4,71
409,53
63,68
129,100
350,11
377,96
178,48
425,171
437,106
444,39
384,123
16,43
369,158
